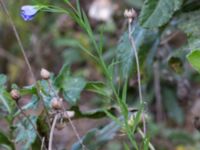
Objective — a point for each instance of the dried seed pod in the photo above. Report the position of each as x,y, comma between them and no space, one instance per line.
15,94
60,125
69,114
45,74
56,103
130,14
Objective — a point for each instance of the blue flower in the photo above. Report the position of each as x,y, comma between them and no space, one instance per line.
28,12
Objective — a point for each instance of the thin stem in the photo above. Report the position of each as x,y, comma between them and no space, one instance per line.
137,63
69,119
76,132
52,131
138,71
25,57
143,135
43,140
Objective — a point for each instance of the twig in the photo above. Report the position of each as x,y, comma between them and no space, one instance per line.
25,57
159,114
52,131
138,71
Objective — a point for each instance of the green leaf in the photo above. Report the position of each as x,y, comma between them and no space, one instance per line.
64,72
47,92
7,101
70,86
144,40
6,141
156,13
126,147
194,59
93,114
189,24
135,3
28,90
32,105
99,88
25,133
3,79
96,137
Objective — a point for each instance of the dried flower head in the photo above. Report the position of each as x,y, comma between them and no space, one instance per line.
56,103
45,74
15,94
130,14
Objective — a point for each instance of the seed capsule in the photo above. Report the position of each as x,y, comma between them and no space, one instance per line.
56,103
15,94
60,125
45,74
130,14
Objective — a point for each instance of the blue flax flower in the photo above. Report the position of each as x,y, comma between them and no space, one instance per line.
28,12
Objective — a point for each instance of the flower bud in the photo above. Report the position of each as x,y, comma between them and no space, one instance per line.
15,94
56,103
28,12
45,74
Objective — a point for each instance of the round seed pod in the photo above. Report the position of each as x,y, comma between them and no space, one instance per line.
15,94
45,74
56,103
60,125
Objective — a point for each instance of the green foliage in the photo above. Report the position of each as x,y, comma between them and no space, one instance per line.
32,105
4,140
25,132
99,88
8,104
162,17
144,40
189,24
96,137
71,86
136,3
194,59
156,13
92,114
